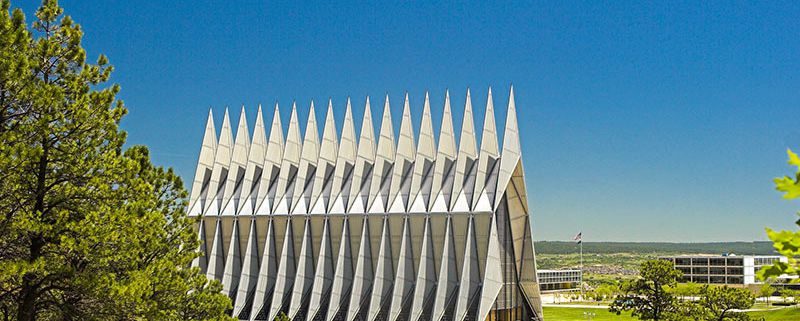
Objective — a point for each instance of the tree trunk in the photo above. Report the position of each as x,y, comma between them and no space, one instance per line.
26,309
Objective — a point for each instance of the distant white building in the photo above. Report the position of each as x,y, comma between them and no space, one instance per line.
367,228
559,280
722,269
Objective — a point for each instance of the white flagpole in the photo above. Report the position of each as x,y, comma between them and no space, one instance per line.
581,246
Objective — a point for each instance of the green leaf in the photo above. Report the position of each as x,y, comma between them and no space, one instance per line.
793,158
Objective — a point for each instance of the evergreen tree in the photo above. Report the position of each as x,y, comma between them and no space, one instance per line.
88,230
649,297
720,303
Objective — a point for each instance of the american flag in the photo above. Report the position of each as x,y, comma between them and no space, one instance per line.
578,238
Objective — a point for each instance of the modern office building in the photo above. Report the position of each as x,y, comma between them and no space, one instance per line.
370,227
719,269
559,280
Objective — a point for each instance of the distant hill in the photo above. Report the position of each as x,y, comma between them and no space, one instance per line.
740,248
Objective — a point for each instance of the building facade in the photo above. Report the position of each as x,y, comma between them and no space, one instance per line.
559,280
719,269
370,227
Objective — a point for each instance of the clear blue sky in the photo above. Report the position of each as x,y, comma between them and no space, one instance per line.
641,121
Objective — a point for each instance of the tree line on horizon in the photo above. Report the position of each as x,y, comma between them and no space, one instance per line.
738,248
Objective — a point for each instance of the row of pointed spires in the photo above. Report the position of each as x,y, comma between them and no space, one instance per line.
283,159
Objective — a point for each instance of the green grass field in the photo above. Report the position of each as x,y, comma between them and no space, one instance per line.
789,314
577,314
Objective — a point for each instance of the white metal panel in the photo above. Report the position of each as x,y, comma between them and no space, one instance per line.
470,274
359,190
445,156
493,275
304,278
343,277
233,264
423,163
205,166
272,161
448,274
382,165
384,273
247,283
237,167
219,175
323,277
286,273
308,162
255,162
290,165
362,282
216,261
426,276
404,283
484,193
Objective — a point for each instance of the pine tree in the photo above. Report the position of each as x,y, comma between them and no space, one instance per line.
88,230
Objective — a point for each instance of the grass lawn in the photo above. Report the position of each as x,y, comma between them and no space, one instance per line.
788,314
576,314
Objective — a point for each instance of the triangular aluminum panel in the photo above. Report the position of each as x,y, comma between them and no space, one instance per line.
323,181
267,273
216,260
460,205
305,273
426,276
272,161
219,175
237,167
201,261
484,187
308,164
323,277
285,274
345,163
423,169
233,264
470,274
290,165
445,156
467,156
384,273
511,149
255,162
343,278
247,283
404,282
448,275
397,206
493,275
402,172
384,159
362,282
359,190
205,166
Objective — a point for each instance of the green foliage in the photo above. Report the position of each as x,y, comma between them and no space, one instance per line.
689,289
786,242
281,317
87,231
766,290
721,302
648,297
